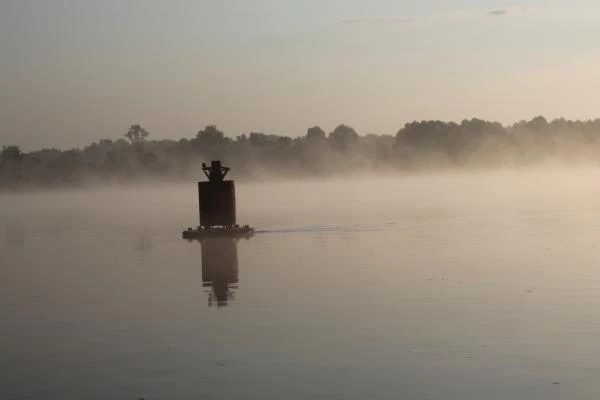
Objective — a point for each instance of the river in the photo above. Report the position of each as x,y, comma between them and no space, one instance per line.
440,286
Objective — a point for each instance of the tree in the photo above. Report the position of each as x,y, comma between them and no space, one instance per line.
136,134
538,124
343,137
11,154
210,135
211,142
315,134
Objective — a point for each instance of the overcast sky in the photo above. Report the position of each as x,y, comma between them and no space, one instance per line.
73,72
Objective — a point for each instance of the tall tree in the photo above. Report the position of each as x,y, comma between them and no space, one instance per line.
136,134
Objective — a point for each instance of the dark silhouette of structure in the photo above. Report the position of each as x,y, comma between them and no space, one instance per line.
216,198
216,205
216,172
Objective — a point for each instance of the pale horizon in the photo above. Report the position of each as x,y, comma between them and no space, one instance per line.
76,72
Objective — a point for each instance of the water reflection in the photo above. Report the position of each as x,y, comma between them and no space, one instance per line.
142,246
219,269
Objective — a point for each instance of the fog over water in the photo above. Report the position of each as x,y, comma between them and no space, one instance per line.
480,285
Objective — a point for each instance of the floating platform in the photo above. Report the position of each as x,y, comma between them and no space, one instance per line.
232,231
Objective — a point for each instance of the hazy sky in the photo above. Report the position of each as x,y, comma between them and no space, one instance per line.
72,72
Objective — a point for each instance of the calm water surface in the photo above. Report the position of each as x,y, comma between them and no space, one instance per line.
440,287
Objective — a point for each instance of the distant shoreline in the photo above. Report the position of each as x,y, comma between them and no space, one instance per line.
417,147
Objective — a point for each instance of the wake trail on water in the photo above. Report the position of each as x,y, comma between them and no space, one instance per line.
330,229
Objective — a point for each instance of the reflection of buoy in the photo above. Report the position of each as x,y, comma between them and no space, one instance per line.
216,203
219,268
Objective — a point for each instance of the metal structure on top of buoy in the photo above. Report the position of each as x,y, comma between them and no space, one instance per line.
216,205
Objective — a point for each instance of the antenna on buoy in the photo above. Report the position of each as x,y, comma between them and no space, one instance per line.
216,172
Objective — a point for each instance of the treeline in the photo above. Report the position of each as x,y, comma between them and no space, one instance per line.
417,146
